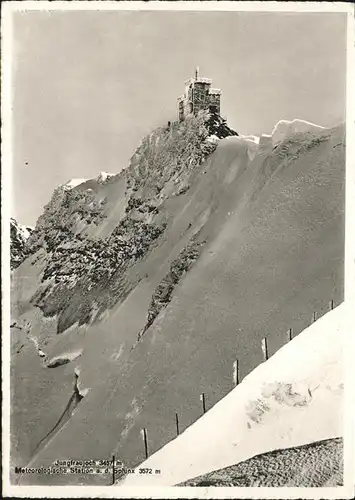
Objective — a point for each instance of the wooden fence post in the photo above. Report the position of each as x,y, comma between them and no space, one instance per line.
290,334
314,316
236,372
331,305
265,348
145,439
203,399
113,469
177,424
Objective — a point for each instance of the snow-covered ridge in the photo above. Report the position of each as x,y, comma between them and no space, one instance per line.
285,128
101,178
251,138
294,398
104,176
282,130
73,183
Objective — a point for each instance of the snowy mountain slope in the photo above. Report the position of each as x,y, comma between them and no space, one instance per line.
316,464
266,242
294,398
66,243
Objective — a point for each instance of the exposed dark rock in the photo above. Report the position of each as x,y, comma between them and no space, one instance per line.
19,248
217,126
179,267
58,362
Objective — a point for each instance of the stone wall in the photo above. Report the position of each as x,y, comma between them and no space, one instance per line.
215,101
181,110
200,96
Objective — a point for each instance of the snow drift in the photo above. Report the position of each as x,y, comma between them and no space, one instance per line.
294,398
319,464
286,128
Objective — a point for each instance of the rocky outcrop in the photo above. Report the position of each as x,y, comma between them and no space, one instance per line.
84,277
172,153
218,126
163,293
59,222
19,236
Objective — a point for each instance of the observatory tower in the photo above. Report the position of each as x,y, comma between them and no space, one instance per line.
199,96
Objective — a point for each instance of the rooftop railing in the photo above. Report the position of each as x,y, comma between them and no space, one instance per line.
199,79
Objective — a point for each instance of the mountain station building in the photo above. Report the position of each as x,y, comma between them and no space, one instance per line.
199,96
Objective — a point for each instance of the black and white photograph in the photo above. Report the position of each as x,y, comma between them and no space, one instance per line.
177,187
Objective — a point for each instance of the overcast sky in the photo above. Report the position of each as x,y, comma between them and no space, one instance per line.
89,85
